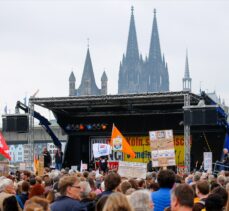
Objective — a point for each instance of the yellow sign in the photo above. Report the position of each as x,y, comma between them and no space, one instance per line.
141,147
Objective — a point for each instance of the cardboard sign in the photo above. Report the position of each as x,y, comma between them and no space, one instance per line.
162,148
132,169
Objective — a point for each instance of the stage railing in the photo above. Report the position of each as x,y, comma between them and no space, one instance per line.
219,166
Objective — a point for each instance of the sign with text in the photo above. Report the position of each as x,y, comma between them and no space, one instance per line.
101,149
132,169
162,148
208,161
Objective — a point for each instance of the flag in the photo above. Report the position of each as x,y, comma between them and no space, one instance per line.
4,149
119,142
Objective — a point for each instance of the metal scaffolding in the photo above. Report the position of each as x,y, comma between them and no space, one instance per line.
31,135
187,149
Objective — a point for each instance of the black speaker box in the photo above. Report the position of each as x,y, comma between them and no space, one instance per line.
15,123
201,116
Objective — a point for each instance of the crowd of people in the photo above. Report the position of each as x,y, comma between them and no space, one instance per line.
67,189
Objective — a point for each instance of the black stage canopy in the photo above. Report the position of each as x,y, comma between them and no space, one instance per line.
134,115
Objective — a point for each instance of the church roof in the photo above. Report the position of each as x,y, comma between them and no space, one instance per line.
104,76
72,77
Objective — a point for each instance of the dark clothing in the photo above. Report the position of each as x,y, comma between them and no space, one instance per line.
58,157
65,203
149,166
105,193
103,165
24,197
89,204
47,159
226,159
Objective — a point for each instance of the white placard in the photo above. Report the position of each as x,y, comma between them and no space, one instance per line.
208,161
101,150
132,169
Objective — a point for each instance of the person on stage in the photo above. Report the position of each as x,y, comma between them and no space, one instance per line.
103,165
225,158
58,159
47,158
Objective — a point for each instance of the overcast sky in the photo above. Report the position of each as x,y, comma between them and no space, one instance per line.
42,41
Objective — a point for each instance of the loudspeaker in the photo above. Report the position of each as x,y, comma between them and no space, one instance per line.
201,116
15,123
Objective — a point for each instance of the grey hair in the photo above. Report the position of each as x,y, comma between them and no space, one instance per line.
4,183
140,200
85,189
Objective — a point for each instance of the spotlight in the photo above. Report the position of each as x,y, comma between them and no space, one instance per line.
81,127
104,126
89,127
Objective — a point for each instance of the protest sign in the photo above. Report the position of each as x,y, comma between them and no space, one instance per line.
4,168
162,148
101,150
132,169
208,161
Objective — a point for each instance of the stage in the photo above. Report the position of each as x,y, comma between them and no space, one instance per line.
86,119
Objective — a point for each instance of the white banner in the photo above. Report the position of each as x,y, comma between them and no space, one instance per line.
132,169
208,161
101,150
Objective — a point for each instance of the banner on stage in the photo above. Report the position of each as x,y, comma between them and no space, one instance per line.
208,161
101,150
162,148
132,169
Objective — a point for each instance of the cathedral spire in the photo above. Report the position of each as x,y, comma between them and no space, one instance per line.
187,81
132,44
88,85
186,73
155,49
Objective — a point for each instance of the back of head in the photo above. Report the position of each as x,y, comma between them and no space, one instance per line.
37,190
85,189
112,181
101,202
203,187
31,206
10,204
166,178
4,183
44,203
125,185
222,193
25,186
140,199
184,194
117,202
214,202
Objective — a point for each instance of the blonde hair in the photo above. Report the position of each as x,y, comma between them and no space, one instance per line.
117,202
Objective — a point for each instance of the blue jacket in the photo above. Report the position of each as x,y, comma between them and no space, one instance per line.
65,203
161,199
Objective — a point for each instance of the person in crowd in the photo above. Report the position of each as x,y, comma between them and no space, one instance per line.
47,158
182,198
101,202
85,190
221,180
222,193
153,187
44,203
7,189
134,183
24,195
10,204
149,166
124,186
202,191
214,203
111,182
141,200
70,195
37,190
58,158
161,198
116,202
94,189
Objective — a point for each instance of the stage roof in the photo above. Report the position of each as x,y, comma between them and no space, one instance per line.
129,104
